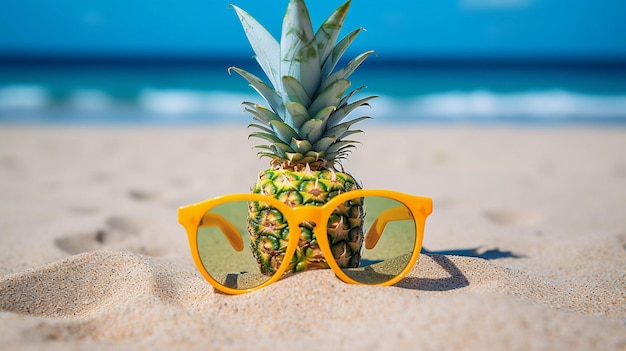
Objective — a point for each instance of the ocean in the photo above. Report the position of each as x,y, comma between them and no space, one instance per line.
170,91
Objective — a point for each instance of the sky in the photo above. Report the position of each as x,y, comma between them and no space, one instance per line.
562,29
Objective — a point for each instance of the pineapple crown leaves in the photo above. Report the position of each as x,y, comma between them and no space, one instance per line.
307,98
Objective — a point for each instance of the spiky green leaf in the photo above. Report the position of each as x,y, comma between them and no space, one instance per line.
350,132
328,32
325,113
312,130
272,98
265,46
302,146
338,51
284,132
324,143
294,156
347,71
342,145
344,101
314,155
270,155
295,91
340,149
298,113
343,112
329,96
339,130
261,113
278,150
281,149
263,147
271,137
298,49
310,157
260,127
269,150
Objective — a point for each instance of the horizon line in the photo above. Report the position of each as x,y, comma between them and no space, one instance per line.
548,61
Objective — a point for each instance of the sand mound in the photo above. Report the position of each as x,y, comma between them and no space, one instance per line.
89,283
125,296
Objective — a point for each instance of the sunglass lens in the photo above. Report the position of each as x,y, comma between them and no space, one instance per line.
225,247
388,234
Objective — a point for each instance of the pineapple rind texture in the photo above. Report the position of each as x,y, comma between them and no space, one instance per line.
269,231
308,100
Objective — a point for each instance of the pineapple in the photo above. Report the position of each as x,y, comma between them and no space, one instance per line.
305,134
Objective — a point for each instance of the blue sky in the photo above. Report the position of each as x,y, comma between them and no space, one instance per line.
431,28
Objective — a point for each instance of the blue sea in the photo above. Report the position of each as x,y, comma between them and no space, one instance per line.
202,92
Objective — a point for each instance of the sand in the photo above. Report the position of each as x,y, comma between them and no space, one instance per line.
525,249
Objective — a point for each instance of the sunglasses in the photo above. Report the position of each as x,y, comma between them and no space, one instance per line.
244,242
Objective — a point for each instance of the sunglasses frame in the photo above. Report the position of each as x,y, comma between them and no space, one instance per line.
191,216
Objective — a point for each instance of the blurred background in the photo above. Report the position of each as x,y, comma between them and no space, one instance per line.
134,61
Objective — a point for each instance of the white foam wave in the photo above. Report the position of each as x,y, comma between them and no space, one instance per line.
176,102
23,97
552,105
489,105
471,105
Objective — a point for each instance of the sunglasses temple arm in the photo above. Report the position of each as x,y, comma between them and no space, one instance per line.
376,230
231,233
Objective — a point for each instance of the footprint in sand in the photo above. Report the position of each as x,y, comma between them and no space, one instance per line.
513,218
9,162
84,209
118,233
619,170
143,195
100,177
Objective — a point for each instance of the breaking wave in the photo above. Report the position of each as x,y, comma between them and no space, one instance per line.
36,103
554,105
23,97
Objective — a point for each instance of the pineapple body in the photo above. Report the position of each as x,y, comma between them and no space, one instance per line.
269,231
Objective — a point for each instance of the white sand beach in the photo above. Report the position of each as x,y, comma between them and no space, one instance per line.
525,249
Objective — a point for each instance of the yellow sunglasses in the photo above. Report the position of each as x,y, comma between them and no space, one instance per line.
392,233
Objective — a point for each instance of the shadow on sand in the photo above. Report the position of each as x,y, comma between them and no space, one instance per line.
456,279
493,254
